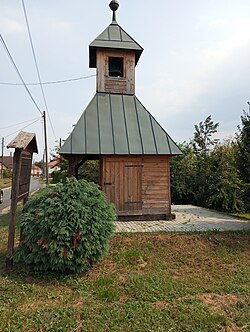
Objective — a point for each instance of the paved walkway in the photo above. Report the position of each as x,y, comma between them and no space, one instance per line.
189,218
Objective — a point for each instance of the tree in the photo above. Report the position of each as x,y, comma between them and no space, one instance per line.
89,171
225,183
182,175
203,143
62,174
243,155
203,140
207,174
39,164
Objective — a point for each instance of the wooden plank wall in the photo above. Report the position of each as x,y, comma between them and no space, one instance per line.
137,185
156,185
105,83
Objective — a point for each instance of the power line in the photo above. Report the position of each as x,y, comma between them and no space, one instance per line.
23,127
17,124
37,69
52,82
18,72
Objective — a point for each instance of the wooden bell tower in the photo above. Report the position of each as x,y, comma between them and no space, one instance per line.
133,149
115,54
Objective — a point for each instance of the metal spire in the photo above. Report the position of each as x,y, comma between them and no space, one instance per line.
114,5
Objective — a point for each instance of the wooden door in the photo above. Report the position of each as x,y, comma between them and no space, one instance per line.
122,184
133,186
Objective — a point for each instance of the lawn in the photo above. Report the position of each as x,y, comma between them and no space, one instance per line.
242,215
147,282
5,183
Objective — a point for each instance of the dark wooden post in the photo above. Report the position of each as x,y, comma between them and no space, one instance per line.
72,168
74,163
14,199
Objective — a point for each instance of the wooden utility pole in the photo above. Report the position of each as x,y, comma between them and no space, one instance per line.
1,169
14,200
46,149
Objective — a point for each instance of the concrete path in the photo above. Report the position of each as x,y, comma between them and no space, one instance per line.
35,184
189,218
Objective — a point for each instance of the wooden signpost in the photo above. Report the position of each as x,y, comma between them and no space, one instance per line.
25,145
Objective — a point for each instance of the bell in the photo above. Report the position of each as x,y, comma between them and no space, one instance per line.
116,67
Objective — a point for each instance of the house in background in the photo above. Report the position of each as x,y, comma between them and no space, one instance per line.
53,165
6,166
6,162
133,149
36,171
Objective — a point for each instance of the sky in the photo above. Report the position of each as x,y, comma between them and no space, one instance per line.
195,63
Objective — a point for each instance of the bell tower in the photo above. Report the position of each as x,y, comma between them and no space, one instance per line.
115,54
115,128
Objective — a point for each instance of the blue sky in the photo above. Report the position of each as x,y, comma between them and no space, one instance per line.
195,61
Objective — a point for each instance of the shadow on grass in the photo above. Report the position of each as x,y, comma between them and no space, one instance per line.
233,240
22,274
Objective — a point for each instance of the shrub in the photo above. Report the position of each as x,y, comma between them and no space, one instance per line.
65,228
7,174
89,171
59,176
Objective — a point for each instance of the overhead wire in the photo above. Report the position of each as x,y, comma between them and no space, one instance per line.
16,124
18,72
23,127
52,82
37,69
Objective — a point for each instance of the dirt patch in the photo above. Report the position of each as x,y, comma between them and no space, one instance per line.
219,303
78,303
160,305
232,328
222,304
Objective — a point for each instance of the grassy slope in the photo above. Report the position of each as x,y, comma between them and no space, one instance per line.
153,282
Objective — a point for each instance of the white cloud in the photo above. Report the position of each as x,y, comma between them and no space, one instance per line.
225,49
8,25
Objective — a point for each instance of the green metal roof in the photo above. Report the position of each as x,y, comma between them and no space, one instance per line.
113,37
118,124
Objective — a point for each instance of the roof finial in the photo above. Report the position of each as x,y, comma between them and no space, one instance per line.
114,5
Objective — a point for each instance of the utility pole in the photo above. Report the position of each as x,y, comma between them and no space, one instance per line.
46,149
1,173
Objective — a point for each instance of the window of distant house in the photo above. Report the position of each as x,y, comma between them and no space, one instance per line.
115,67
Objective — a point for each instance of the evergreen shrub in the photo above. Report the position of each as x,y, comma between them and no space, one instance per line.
7,174
65,228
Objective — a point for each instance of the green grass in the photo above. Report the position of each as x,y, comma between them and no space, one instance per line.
147,282
242,215
5,183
